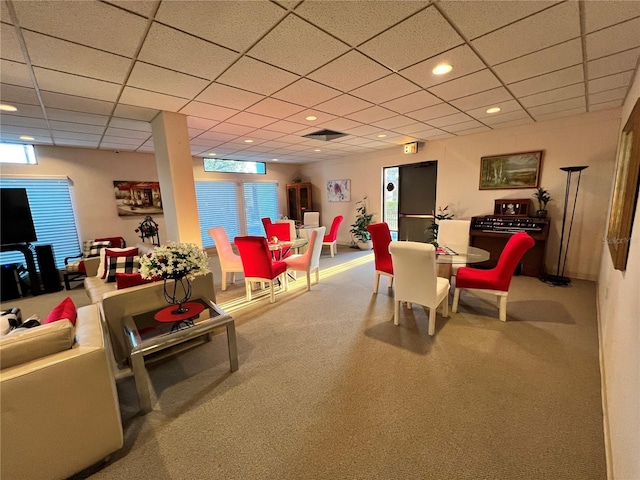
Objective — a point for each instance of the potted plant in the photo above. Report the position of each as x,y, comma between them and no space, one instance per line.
359,228
432,230
543,197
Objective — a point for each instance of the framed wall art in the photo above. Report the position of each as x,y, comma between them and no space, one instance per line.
339,190
511,170
137,198
625,190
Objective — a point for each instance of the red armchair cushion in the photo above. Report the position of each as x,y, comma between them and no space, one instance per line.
65,309
126,280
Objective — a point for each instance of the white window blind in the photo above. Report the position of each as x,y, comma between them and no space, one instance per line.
217,206
260,200
53,217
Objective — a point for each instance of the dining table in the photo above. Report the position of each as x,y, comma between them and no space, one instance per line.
281,248
449,255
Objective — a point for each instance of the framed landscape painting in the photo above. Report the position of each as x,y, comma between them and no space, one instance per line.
511,170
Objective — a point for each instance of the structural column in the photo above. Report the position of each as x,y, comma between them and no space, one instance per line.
175,173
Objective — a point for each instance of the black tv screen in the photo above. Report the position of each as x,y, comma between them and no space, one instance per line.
15,217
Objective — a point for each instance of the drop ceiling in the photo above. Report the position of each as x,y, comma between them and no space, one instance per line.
93,74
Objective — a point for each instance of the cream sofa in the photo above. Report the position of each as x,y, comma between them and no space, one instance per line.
117,304
60,411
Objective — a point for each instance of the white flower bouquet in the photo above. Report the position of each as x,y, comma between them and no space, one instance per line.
173,261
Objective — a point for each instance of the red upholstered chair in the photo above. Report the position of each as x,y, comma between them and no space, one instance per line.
266,221
498,279
280,230
381,238
331,238
74,268
258,264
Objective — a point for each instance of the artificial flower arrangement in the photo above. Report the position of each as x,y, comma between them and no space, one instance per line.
174,260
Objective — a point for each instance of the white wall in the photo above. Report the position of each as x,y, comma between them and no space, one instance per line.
92,173
588,139
619,313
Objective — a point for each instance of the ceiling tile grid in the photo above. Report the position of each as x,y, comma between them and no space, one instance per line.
257,70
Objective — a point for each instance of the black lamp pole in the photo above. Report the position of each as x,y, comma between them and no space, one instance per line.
559,278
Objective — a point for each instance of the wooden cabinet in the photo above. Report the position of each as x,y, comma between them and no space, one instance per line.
298,200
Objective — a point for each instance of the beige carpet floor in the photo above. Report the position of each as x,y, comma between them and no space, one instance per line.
329,388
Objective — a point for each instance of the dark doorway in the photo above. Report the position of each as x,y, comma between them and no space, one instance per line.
416,200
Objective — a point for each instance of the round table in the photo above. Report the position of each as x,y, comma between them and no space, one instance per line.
463,254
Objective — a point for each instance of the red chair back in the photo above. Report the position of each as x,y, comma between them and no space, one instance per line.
333,233
381,238
498,278
266,221
280,230
256,258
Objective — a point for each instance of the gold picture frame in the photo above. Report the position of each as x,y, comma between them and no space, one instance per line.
511,170
625,190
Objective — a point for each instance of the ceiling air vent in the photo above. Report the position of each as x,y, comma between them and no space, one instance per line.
325,135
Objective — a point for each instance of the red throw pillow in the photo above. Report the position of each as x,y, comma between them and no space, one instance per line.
125,252
126,280
65,309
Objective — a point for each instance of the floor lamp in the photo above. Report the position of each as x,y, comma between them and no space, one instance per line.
559,278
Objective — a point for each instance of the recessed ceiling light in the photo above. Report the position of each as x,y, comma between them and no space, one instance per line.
311,118
317,150
248,141
382,135
7,108
26,137
494,110
275,159
212,154
442,69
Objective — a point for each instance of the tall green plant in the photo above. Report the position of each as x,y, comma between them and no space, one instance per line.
359,228
432,230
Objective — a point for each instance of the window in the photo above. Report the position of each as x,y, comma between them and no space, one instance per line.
238,208
53,217
233,166
17,153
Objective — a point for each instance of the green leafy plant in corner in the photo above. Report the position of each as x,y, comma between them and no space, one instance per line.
543,197
359,228
432,230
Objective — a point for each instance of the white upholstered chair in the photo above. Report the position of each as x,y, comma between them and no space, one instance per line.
230,262
416,280
311,219
453,232
310,260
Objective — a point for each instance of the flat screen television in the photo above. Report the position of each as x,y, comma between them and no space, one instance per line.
16,223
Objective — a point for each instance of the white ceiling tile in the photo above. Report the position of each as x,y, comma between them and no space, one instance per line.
571,104
130,124
556,95
74,85
203,142
57,135
469,131
609,83
560,113
232,129
4,14
285,127
25,130
608,95
505,107
72,102
119,32
548,81
550,27
435,111
24,110
272,107
362,130
301,117
413,129
212,136
256,76
349,71
17,121
423,35
230,97
372,114
208,111
461,87
266,135
135,113
554,58
76,127
15,93
385,89
394,122
605,105
306,92
412,102
442,122
200,123
613,39
603,14
513,123
169,48
123,132
343,105
490,97
355,22
75,117
67,142
235,25
11,49
68,57
115,145
14,73
251,119
618,62
143,98
476,18
297,46
142,7
339,124
194,132
463,60
168,82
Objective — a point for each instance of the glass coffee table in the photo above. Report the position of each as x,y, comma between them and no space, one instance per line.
147,337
